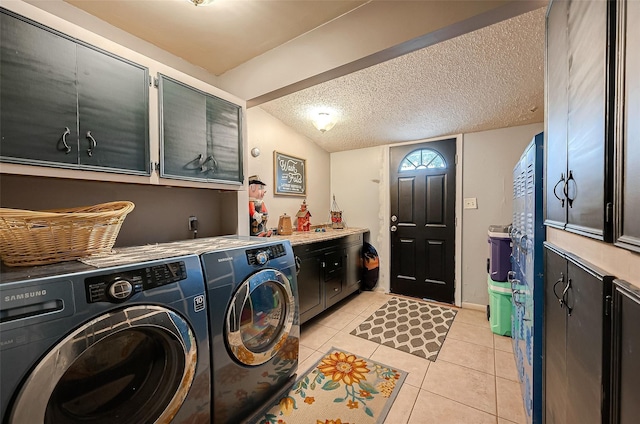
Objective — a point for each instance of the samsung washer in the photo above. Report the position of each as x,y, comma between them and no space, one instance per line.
126,344
254,326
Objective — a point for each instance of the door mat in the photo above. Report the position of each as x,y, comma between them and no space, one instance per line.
340,388
408,325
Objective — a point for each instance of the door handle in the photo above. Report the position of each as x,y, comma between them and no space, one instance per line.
394,228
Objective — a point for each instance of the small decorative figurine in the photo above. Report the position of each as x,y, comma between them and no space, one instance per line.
258,214
303,215
336,215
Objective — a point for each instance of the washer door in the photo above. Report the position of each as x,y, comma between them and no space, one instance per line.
259,317
134,365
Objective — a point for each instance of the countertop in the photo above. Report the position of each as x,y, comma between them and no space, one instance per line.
139,254
306,237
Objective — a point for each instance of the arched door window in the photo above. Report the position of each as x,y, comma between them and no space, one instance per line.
422,159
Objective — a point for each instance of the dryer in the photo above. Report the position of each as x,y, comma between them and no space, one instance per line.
125,344
254,326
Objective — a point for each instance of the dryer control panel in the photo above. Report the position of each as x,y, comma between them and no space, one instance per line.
118,287
262,255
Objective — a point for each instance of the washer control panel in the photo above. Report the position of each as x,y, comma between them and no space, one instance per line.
262,255
120,286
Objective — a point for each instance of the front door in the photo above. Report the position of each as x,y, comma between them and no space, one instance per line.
423,188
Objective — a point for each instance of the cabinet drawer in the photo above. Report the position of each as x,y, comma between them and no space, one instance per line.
332,263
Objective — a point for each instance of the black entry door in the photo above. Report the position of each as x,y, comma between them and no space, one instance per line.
422,178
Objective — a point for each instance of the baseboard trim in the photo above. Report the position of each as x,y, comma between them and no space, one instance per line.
474,306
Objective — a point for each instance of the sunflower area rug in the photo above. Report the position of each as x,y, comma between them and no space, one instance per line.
408,325
341,388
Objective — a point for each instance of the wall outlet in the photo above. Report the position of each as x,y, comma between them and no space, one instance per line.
470,203
193,223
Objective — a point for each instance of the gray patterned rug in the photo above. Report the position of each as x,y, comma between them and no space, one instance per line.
408,325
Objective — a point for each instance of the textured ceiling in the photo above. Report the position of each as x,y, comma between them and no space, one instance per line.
487,79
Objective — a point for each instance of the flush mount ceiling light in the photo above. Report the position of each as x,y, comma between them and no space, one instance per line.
323,121
200,2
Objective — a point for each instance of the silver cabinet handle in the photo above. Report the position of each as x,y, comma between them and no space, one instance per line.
92,143
67,148
213,167
563,189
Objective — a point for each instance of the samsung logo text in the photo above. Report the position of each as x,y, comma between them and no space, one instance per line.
26,295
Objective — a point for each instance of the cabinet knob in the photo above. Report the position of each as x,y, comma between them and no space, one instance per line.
394,228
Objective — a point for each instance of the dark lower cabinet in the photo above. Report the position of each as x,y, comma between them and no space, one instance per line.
625,357
577,337
66,104
328,272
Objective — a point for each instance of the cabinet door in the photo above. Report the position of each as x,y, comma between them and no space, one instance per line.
310,292
37,95
223,140
555,359
333,265
557,76
586,393
113,112
588,113
626,354
628,201
353,277
184,130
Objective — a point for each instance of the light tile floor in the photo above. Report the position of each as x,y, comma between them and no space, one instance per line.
474,380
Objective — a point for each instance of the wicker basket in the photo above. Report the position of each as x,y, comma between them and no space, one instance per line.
37,238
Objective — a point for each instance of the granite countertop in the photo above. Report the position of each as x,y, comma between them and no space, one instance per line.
306,237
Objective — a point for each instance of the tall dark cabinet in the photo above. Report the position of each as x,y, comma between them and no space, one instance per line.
627,204
577,332
579,118
625,354
64,103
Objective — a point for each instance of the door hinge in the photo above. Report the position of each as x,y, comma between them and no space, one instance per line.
456,159
155,166
156,83
608,212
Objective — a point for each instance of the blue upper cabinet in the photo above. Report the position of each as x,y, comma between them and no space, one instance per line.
201,135
580,85
66,104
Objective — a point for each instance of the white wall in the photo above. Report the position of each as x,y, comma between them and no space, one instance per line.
270,134
360,182
489,158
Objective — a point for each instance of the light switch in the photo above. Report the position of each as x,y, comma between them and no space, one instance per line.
470,203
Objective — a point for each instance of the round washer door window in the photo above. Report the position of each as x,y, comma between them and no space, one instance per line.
131,366
260,317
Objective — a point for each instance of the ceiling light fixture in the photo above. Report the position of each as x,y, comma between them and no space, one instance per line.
200,2
323,121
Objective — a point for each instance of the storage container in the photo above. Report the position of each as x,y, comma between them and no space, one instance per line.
499,262
499,307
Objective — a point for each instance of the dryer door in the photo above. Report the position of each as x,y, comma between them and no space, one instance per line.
260,317
134,365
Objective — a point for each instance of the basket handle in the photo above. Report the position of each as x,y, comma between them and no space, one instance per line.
92,143
63,139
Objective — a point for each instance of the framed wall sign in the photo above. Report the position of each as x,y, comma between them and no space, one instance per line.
289,175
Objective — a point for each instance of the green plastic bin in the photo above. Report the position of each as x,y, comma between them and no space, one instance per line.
499,307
